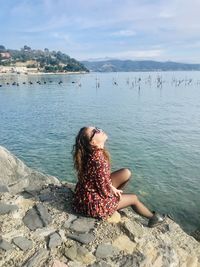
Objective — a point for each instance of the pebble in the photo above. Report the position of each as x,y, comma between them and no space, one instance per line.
23,243
82,238
54,240
71,252
82,225
47,197
37,217
70,219
85,256
57,263
44,215
37,259
5,245
105,250
122,242
100,264
7,208
32,220
3,189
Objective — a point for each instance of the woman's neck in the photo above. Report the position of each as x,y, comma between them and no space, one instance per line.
98,146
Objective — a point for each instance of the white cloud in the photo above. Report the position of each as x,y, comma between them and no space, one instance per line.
125,33
139,54
102,27
131,54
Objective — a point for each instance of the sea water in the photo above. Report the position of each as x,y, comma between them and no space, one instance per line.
152,120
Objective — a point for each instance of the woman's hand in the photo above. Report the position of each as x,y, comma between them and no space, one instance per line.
116,191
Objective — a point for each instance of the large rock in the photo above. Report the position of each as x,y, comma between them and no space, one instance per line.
17,176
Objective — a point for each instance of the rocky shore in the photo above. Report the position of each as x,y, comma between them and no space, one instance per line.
39,228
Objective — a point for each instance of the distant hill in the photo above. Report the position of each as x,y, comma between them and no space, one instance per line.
42,60
143,65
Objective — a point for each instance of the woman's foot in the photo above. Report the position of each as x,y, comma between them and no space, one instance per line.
156,219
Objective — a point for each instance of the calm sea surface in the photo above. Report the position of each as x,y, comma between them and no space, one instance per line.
152,120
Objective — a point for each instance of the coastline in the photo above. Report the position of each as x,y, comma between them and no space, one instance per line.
4,71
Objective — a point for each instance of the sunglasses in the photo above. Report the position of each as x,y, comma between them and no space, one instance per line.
95,131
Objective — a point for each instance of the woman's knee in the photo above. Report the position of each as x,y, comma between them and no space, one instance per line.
127,173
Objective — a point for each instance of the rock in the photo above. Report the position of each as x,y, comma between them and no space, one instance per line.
18,186
81,254
12,234
62,234
54,240
37,259
82,225
132,229
137,259
32,220
100,264
7,208
70,219
69,185
37,180
37,217
151,253
84,256
5,245
13,170
44,215
64,190
71,252
32,191
169,255
23,243
124,243
192,261
57,263
75,264
115,218
105,250
3,189
44,232
82,238
196,235
47,197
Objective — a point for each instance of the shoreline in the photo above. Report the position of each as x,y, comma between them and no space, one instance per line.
4,71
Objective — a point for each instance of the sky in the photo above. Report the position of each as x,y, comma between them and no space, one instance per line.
99,29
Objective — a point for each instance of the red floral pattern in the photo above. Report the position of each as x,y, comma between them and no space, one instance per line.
93,194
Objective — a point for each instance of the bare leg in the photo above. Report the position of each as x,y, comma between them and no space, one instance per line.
133,201
120,178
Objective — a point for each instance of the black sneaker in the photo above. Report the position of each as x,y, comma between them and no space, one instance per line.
157,219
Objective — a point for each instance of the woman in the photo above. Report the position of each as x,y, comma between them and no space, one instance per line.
98,192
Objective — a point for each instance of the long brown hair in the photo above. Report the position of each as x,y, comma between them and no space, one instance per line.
82,150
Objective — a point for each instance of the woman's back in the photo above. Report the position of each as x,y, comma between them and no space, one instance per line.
93,195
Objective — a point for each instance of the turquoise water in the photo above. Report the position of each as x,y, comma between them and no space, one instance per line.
153,129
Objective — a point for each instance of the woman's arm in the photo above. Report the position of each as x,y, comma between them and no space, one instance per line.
116,191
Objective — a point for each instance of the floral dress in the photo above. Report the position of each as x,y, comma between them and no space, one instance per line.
93,194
